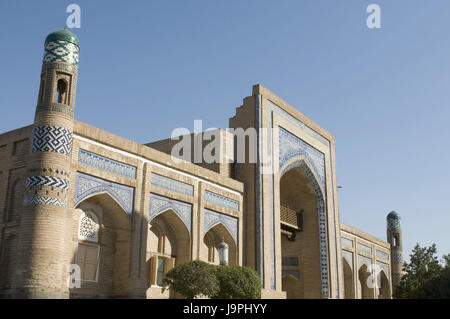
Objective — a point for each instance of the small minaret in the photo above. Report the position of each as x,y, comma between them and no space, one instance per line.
42,248
394,237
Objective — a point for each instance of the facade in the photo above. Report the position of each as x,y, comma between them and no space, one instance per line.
75,199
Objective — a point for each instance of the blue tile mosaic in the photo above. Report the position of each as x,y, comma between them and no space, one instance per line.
51,181
87,186
220,200
364,248
212,218
42,200
172,184
346,242
290,147
48,138
348,257
363,260
106,164
159,204
382,254
397,258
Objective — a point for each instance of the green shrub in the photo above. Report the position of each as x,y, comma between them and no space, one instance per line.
192,279
237,282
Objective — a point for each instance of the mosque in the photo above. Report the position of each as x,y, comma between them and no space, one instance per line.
85,213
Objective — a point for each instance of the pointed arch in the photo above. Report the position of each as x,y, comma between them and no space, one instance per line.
87,186
301,162
99,193
160,204
218,232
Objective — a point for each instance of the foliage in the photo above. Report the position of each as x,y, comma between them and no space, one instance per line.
423,276
237,282
192,279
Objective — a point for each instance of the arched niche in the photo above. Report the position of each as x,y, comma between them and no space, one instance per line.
113,246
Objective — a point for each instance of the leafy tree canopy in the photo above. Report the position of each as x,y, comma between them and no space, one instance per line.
424,277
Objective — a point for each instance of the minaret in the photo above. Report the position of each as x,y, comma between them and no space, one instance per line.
42,249
394,237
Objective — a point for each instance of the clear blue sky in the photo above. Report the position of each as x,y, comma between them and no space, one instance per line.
147,67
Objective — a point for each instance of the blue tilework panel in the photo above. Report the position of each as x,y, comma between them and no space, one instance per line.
397,258
51,181
362,260
48,138
106,164
348,257
159,204
346,242
291,147
393,223
61,51
221,201
42,200
382,254
364,248
86,186
171,184
212,218
385,268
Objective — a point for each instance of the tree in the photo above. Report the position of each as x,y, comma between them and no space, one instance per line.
237,282
423,267
192,279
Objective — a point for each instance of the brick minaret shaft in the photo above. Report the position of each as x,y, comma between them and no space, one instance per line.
394,237
42,249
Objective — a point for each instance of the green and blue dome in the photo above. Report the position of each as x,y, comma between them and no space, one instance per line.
62,46
393,220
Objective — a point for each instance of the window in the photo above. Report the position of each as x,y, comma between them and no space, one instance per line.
87,260
61,92
160,272
396,240
88,227
41,89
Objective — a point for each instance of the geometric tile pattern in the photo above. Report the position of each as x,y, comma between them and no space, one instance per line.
364,248
297,123
212,218
385,268
106,164
397,258
393,223
221,201
322,222
273,108
88,227
171,184
86,186
291,146
346,242
61,51
396,277
348,256
363,260
382,254
159,204
48,138
42,200
47,181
